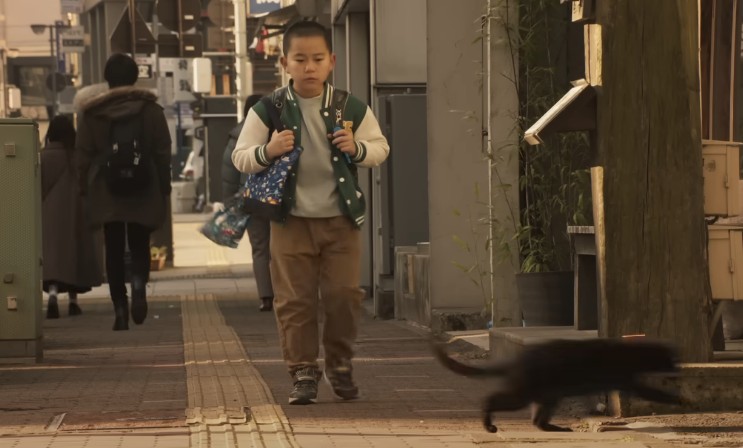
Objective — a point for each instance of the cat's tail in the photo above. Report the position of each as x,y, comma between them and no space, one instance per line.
455,366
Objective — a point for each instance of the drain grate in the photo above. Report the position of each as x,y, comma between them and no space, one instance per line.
82,421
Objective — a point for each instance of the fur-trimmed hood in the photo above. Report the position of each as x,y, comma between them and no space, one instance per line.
113,103
85,94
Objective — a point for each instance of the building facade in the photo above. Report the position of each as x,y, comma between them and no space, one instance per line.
26,56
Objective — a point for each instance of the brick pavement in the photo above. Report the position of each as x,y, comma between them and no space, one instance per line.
139,388
408,399
108,386
206,355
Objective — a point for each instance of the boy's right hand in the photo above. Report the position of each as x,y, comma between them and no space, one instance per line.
281,143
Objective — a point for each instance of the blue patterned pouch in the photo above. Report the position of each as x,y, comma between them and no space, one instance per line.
264,191
228,226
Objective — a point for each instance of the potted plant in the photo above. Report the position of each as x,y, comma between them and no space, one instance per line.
554,184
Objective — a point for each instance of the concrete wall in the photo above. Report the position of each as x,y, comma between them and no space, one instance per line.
357,72
340,73
445,58
400,42
502,113
352,73
456,166
357,56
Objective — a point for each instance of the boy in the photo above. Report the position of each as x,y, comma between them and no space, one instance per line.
317,246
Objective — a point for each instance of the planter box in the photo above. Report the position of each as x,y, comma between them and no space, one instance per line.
546,298
721,171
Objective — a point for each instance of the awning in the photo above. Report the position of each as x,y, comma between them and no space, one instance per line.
276,22
575,111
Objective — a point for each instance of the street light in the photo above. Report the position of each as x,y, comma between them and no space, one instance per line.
39,29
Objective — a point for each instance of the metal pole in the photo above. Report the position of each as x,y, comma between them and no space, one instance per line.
156,58
4,84
3,36
133,23
243,79
180,29
54,70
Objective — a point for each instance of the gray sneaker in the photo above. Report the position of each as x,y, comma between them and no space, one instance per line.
340,379
305,386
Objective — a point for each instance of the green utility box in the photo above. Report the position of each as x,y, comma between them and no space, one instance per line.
20,241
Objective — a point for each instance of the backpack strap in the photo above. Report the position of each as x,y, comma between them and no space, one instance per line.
132,125
274,104
274,114
340,98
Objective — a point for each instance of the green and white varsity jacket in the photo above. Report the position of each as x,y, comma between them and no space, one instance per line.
372,148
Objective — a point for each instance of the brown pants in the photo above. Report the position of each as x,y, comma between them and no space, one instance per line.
311,255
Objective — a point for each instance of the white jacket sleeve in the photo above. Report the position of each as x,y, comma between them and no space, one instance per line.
249,155
371,145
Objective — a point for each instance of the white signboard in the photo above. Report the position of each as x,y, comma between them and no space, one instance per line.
72,6
65,99
146,65
182,70
72,39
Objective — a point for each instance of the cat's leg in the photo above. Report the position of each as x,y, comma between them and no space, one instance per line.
501,401
657,395
542,414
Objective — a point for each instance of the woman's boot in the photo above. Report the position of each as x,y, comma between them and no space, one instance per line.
73,308
121,313
52,308
139,300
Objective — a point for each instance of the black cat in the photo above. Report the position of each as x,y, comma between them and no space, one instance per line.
544,374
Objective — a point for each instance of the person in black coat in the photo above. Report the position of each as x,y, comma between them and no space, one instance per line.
259,230
127,217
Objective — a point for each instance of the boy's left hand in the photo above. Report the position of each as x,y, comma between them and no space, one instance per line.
343,139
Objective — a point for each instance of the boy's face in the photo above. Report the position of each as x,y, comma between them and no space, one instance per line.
309,63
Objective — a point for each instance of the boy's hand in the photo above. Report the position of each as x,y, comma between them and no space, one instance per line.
281,143
343,139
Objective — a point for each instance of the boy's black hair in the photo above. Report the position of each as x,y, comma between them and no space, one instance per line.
250,101
121,70
305,29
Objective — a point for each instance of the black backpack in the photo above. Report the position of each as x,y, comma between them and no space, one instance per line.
126,164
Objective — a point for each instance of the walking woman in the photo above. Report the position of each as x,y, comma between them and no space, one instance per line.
70,260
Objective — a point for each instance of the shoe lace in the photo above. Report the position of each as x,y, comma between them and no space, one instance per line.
342,375
307,375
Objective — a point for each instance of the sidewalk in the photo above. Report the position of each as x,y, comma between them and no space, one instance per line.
205,370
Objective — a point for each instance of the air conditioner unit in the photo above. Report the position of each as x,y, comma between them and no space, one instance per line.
721,172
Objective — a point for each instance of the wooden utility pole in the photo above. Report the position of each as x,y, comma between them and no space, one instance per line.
649,142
